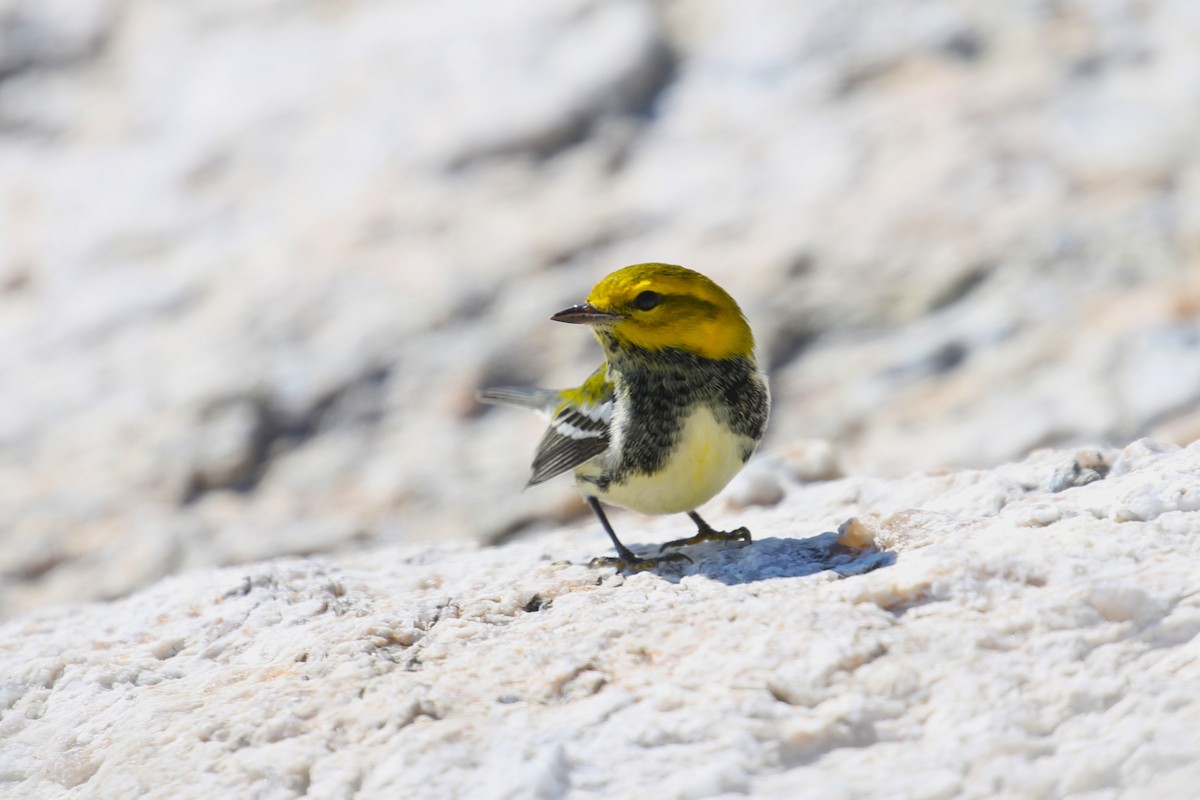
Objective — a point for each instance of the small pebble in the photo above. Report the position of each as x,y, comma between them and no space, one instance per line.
856,533
1088,466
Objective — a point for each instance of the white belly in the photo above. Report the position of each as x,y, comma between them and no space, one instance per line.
705,460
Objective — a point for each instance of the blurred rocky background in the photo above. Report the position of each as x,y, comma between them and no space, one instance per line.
257,255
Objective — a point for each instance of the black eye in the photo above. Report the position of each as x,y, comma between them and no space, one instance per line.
647,300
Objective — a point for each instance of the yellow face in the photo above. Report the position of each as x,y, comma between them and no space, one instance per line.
659,306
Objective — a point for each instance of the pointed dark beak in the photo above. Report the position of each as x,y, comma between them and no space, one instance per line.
585,314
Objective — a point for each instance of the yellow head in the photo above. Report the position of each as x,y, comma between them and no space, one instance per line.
659,306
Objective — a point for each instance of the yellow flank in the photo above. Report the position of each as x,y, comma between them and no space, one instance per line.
694,314
707,457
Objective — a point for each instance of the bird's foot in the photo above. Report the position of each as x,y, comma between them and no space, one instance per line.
628,562
707,534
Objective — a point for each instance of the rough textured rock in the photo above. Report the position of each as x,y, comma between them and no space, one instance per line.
967,634
255,257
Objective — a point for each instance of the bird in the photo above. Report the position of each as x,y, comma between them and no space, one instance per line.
671,416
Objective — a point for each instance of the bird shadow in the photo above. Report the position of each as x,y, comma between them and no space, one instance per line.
774,557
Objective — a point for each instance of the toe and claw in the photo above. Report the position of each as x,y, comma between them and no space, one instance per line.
707,534
626,560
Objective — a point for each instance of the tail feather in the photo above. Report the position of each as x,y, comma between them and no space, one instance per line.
541,400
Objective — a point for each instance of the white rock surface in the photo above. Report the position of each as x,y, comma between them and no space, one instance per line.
977,636
256,256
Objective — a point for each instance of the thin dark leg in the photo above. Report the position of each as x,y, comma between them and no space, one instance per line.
622,551
626,559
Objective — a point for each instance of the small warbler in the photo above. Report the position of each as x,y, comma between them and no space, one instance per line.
670,417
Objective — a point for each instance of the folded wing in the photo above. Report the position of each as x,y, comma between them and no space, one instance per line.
578,430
